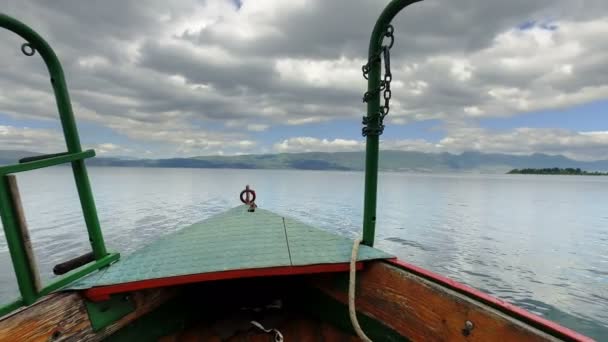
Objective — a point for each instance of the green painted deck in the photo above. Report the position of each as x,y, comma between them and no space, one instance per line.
233,240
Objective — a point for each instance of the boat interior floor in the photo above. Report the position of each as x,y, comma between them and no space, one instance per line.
225,310
291,327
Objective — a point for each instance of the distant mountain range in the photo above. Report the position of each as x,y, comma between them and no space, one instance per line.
389,161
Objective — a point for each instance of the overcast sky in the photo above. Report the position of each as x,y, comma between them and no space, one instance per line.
185,78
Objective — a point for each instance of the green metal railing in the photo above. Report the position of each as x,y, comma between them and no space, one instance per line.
374,116
75,156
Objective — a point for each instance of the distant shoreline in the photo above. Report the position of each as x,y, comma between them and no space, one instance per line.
556,171
389,161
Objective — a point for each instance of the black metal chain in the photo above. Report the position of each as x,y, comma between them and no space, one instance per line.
385,83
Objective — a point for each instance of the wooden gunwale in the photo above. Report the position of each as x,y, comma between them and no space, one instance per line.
505,307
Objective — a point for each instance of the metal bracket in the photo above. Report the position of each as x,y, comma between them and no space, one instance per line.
102,314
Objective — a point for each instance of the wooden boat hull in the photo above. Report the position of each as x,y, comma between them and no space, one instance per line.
395,302
423,306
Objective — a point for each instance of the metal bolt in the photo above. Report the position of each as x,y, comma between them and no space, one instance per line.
468,327
56,334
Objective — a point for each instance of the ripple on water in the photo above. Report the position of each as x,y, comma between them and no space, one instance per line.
410,243
597,272
539,243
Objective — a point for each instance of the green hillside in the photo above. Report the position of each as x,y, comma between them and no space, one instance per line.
389,161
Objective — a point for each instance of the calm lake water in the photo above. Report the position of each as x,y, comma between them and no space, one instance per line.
540,242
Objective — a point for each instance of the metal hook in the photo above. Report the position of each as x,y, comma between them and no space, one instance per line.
389,33
25,47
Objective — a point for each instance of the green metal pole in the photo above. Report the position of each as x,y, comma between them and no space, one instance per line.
373,108
23,273
89,210
68,124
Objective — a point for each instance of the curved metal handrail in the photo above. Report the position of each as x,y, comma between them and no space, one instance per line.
38,44
373,119
22,263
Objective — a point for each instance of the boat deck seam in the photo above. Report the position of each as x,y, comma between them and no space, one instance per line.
287,241
235,240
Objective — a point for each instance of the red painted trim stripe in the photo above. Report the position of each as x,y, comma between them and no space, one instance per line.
102,293
510,309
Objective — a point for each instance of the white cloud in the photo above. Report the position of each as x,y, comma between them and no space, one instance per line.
30,139
306,120
473,111
462,70
252,127
576,145
517,72
110,149
590,145
521,141
159,74
309,144
257,127
341,73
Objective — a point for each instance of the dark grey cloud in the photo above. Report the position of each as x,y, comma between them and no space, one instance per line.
135,66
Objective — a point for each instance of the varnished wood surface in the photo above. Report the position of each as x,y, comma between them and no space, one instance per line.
424,311
63,317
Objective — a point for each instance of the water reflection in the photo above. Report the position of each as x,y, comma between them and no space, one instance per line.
539,242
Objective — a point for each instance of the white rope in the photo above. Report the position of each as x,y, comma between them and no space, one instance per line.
351,292
278,337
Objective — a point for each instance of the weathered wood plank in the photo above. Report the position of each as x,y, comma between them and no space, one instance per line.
55,318
424,311
63,317
13,188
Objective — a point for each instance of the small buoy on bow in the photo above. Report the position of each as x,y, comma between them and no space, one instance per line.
248,197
